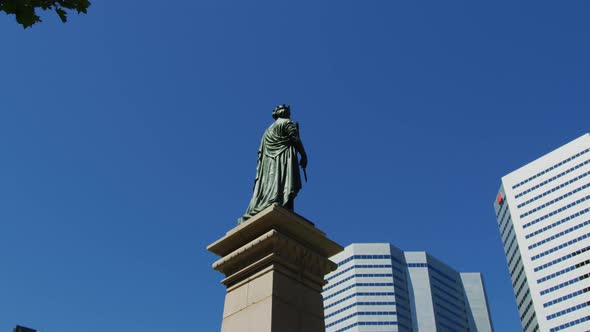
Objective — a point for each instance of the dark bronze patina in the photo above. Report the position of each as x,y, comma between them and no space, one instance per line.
278,179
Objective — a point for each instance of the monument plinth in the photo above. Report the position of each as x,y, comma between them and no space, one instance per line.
274,265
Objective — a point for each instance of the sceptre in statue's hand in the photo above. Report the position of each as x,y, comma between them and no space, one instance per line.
303,161
278,179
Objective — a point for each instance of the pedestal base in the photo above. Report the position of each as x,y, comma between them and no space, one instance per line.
274,265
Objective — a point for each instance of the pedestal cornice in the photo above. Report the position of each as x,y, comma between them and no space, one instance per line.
282,220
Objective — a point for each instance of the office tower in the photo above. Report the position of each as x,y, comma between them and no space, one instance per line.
378,287
543,216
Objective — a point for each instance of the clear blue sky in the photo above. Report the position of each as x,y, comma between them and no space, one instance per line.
128,140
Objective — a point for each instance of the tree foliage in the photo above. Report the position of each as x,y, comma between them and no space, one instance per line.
25,10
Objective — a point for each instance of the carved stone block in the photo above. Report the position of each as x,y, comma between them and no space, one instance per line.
274,266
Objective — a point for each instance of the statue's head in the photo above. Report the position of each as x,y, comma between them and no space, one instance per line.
281,111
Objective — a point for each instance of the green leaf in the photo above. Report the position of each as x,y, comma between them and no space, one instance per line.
24,10
62,14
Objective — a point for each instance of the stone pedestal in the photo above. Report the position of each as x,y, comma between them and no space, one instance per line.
274,266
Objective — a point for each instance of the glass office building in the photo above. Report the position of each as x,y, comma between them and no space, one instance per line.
543,213
378,287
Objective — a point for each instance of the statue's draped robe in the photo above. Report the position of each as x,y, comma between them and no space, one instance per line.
277,172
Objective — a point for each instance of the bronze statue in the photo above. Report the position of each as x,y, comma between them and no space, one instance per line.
277,173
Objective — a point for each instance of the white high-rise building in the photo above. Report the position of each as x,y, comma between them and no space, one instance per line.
543,213
378,287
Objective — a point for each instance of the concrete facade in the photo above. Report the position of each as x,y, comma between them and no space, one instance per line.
474,298
378,287
543,213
